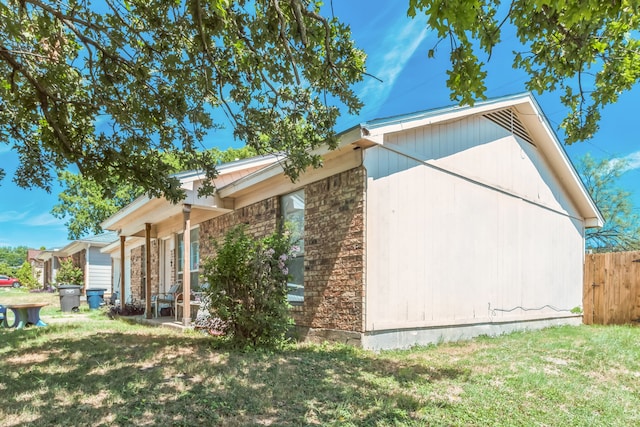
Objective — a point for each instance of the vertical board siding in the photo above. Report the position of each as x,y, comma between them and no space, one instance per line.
444,250
478,148
611,292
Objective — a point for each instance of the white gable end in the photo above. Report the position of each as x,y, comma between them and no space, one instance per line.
467,223
478,149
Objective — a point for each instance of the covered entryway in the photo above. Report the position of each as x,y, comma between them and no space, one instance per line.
156,236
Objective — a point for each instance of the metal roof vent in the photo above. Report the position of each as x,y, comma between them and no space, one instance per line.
510,121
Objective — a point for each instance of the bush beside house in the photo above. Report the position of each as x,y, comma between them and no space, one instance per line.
248,288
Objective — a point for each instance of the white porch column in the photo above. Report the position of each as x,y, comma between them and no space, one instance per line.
186,268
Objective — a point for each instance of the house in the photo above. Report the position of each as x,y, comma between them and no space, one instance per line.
87,255
37,265
433,226
50,266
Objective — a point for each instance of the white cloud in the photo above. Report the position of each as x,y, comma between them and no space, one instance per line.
43,220
388,58
633,161
12,216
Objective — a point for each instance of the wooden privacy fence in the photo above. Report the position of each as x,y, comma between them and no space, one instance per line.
611,291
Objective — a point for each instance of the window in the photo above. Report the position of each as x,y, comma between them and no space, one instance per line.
194,264
292,206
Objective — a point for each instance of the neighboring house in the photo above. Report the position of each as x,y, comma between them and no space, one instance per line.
428,227
50,266
37,265
87,255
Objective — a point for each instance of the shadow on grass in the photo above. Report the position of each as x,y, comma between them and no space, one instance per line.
142,377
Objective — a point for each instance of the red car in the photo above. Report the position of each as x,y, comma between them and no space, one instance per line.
9,281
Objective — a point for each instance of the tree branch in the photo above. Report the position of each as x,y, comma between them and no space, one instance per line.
43,97
285,40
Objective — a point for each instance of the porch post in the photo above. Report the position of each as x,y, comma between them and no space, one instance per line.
186,268
122,239
147,291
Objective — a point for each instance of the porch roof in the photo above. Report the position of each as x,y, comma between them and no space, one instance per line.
167,217
100,241
162,214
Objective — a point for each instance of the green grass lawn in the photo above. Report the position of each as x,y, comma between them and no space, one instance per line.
97,371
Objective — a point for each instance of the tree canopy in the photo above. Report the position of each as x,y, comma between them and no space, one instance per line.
12,256
586,49
112,88
621,230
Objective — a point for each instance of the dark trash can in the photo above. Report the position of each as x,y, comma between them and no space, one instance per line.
95,297
69,297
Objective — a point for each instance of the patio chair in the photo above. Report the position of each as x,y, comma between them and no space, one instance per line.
166,299
195,302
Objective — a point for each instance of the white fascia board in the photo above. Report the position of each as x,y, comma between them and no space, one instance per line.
345,138
593,222
108,223
251,179
114,248
225,168
45,255
593,217
241,165
187,179
375,130
71,248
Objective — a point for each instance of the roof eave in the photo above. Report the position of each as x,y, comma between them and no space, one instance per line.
348,137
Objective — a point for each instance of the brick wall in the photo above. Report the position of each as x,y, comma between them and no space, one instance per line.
261,219
137,273
334,253
334,248
155,266
174,269
138,270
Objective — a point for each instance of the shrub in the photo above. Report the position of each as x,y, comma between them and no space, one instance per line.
6,269
25,275
130,309
248,288
69,274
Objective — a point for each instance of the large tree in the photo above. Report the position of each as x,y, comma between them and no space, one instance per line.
621,230
586,49
12,256
111,88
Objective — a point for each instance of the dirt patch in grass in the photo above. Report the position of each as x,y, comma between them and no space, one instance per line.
31,358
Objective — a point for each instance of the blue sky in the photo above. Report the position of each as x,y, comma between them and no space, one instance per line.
397,54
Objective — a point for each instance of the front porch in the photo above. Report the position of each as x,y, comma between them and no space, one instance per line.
163,321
